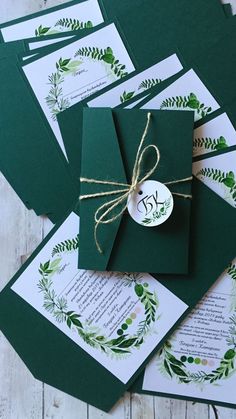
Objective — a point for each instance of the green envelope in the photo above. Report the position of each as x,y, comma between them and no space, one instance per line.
30,158
109,145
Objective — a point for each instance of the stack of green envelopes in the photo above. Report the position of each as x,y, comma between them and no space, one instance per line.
82,81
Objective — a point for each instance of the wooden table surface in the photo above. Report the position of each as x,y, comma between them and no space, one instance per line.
21,396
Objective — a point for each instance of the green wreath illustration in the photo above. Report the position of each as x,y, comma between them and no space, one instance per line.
177,368
58,307
55,99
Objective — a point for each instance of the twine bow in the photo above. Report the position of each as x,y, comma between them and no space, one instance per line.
105,209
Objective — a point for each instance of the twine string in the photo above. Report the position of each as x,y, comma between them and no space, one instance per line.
102,213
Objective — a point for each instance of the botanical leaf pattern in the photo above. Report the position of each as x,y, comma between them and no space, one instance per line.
58,307
190,102
211,144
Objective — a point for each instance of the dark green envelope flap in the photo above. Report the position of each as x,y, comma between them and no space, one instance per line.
30,157
100,150
163,249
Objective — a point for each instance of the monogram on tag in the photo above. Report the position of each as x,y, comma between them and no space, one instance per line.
150,204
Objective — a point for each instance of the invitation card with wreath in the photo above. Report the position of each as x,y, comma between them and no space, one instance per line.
87,333
135,192
73,72
198,361
76,15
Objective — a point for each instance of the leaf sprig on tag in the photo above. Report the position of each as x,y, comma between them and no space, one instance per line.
158,213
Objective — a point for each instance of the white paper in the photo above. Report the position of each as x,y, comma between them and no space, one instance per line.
214,135
46,42
55,22
187,93
219,174
58,86
101,306
204,342
139,83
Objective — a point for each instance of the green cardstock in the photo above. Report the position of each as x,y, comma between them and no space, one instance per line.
217,64
164,24
109,146
227,10
30,158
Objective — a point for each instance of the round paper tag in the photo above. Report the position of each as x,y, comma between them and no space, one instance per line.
151,204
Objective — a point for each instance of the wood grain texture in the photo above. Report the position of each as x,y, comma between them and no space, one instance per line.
21,396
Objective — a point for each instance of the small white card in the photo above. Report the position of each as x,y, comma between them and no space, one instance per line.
45,42
79,16
188,93
139,83
117,318
215,135
74,72
219,174
200,358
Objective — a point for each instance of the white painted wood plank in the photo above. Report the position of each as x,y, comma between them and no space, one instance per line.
20,232
120,411
142,407
197,410
170,408
223,412
57,405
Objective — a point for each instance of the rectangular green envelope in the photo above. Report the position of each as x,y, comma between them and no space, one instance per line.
30,158
109,145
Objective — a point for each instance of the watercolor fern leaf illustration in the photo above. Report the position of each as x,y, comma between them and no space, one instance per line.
41,31
66,246
150,303
190,102
126,96
175,367
225,178
148,83
74,24
107,56
67,65
66,23
208,143
158,213
232,271
58,307
55,100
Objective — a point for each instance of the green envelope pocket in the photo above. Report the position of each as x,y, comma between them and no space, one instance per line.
109,145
